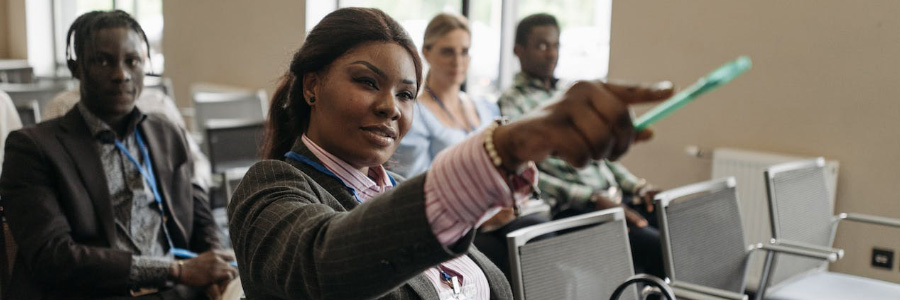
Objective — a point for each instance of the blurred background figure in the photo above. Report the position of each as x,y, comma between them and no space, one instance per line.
444,115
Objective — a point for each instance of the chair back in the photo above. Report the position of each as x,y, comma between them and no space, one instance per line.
16,71
29,113
162,84
587,259
232,105
800,211
702,235
43,92
233,143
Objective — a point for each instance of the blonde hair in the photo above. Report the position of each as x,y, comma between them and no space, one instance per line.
442,24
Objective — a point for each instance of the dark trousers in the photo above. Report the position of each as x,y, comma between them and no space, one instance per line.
493,244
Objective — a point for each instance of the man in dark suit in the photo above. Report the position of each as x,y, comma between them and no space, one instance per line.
98,199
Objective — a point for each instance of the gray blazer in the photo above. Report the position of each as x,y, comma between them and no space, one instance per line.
299,234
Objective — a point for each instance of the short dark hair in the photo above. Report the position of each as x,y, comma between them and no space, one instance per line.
82,31
529,22
337,33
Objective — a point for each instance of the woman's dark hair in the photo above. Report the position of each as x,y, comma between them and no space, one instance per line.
82,32
339,32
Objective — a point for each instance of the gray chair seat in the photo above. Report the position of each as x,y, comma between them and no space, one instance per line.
828,285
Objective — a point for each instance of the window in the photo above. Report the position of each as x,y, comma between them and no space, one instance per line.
584,33
583,38
147,12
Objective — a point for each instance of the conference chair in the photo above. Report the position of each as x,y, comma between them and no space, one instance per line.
16,71
705,252
42,91
800,213
588,259
233,144
162,84
29,112
228,104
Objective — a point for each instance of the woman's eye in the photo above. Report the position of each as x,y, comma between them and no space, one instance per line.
407,96
368,82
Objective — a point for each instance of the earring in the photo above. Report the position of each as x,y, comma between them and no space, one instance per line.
312,100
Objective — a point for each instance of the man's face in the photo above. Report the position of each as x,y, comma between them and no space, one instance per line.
540,53
112,72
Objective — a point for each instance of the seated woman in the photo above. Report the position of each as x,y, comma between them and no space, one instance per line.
443,115
322,219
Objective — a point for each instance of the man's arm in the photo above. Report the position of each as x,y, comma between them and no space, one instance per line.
560,185
205,235
41,229
626,180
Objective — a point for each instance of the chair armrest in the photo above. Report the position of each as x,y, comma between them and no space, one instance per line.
664,289
876,220
696,291
801,249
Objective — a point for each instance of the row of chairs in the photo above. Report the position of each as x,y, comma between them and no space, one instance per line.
705,251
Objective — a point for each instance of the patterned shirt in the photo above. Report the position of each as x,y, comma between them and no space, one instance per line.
138,221
562,185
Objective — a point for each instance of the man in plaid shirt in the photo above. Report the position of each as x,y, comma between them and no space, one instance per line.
600,184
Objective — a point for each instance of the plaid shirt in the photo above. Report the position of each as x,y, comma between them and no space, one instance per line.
562,185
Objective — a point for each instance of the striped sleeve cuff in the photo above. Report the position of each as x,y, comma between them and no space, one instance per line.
461,188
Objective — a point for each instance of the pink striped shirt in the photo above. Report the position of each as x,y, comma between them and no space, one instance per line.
367,187
462,189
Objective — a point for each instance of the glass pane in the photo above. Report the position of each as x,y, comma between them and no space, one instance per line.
126,5
413,15
584,35
84,6
484,69
147,12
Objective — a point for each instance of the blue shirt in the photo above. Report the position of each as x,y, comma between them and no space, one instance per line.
428,136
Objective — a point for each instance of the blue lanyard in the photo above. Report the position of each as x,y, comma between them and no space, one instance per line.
150,179
319,167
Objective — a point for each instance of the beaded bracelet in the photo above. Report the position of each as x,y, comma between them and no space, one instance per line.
489,143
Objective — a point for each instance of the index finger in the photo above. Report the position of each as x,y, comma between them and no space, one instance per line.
641,93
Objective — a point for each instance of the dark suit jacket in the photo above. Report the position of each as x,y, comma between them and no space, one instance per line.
58,207
299,234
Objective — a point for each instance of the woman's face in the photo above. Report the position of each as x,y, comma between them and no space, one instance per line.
448,57
363,103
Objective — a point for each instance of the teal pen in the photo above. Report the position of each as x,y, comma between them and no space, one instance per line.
712,81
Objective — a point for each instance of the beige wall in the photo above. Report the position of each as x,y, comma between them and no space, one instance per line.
823,83
4,30
13,21
239,43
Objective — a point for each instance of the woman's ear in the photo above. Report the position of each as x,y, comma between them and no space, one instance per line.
310,86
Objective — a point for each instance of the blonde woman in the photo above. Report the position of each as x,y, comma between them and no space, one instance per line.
444,115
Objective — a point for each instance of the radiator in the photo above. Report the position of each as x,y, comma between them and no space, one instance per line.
747,167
